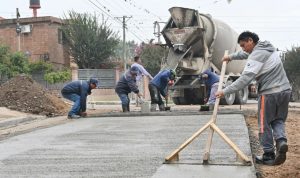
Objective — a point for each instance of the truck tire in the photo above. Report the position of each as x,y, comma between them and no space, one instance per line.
190,96
179,100
241,96
228,99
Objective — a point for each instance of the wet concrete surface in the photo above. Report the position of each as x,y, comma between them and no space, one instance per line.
203,171
123,147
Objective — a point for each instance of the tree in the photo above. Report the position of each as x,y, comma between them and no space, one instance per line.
4,60
292,61
130,49
292,66
12,64
90,43
50,75
152,56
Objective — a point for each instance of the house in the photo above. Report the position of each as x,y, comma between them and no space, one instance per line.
40,38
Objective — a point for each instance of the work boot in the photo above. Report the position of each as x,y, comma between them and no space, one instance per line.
162,107
281,149
267,158
153,108
74,116
125,108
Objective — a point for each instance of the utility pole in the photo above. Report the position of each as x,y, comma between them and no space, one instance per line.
124,40
18,30
157,33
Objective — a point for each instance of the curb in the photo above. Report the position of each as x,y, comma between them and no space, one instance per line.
12,122
159,113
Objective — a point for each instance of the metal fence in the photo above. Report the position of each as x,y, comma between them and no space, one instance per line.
107,77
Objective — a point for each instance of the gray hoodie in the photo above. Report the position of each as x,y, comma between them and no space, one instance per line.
264,65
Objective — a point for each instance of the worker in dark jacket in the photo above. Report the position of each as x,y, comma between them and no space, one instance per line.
158,86
126,85
211,81
77,91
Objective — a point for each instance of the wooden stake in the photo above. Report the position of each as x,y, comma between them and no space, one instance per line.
213,127
188,141
230,143
214,116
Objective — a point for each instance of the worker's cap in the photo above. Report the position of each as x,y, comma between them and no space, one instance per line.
94,81
134,70
172,74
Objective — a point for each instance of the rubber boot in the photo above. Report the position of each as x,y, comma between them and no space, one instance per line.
281,149
153,108
162,107
125,108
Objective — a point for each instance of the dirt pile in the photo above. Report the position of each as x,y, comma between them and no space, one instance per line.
21,93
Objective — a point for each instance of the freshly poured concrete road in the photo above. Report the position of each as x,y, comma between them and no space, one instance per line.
125,147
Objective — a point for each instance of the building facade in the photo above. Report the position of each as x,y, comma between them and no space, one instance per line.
40,38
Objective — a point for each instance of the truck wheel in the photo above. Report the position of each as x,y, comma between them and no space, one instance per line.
179,100
241,96
228,99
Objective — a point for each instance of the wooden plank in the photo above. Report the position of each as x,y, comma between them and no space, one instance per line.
214,115
230,143
188,141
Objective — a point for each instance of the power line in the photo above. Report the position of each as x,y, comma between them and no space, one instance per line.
113,19
132,23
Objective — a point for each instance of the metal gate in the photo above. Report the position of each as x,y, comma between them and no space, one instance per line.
106,77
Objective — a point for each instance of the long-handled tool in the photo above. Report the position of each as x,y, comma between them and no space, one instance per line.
167,108
213,127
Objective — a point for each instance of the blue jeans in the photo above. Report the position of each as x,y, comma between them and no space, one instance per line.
212,96
76,106
124,99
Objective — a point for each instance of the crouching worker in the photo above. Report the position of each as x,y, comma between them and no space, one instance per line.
159,86
77,91
126,85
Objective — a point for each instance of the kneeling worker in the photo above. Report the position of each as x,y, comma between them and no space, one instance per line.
158,86
77,91
126,85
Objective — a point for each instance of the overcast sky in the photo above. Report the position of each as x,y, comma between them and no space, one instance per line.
277,21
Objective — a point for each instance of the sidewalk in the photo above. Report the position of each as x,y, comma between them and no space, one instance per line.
13,123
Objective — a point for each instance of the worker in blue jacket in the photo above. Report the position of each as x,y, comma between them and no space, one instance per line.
158,86
77,91
126,85
211,81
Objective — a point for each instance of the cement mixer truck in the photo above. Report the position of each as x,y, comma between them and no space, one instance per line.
197,42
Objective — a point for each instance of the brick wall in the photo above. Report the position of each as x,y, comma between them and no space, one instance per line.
41,43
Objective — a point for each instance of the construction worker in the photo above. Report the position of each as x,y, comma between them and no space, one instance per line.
126,85
211,81
142,70
77,91
264,65
158,86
